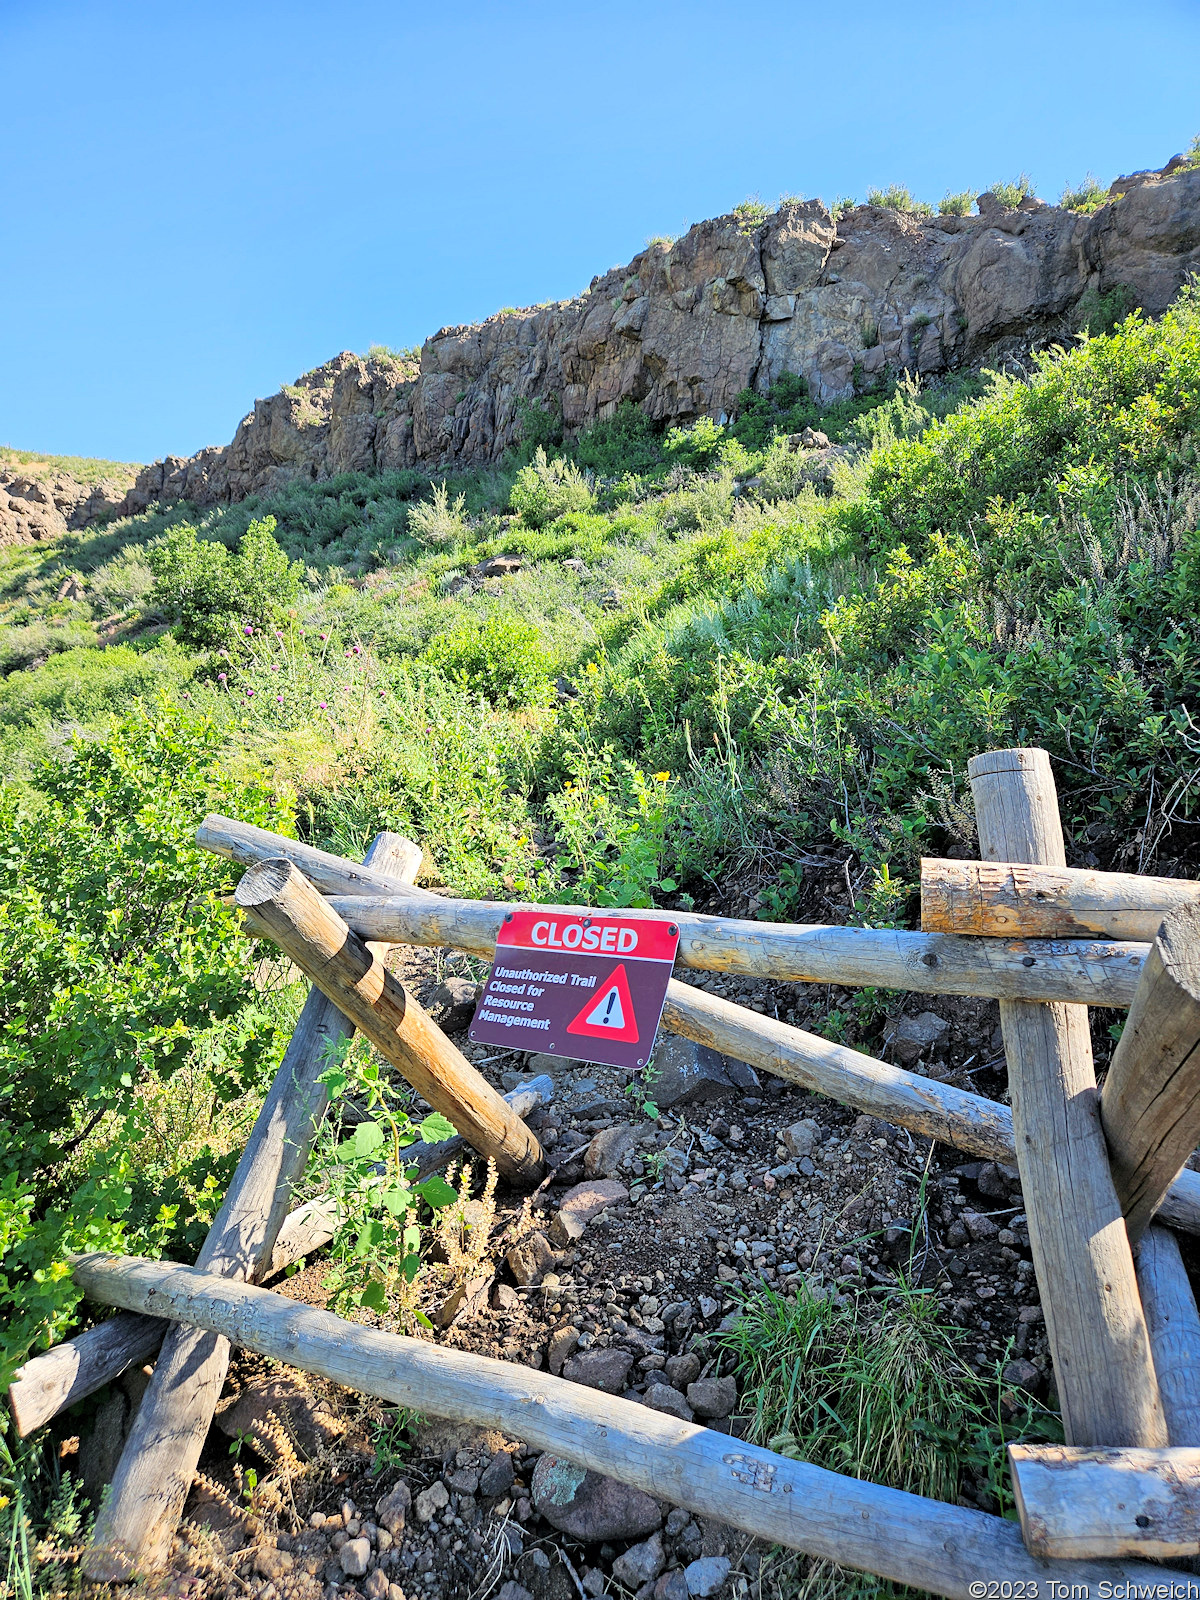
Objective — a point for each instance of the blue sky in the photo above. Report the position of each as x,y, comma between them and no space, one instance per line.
201,201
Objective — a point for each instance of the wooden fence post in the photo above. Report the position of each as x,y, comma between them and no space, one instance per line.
135,1526
1081,1251
1150,1104
1174,1325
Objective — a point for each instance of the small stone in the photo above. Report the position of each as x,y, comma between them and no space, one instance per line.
497,1477
500,566
641,1563
802,1138
392,1509
979,1226
272,1563
608,1149
377,1586
452,1004
430,1501
530,1259
600,1369
513,1591
1029,1314
593,1579
685,1369
708,1306
1022,1375
505,1297
911,1038
677,1521
464,1481
712,1397
582,1203
662,1397
355,1557
395,1592
590,1507
560,1348
705,1577
671,1586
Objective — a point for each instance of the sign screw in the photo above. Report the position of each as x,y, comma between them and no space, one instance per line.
508,916
672,930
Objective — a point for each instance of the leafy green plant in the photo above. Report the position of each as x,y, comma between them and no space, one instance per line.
214,596
1087,198
842,205
122,971
897,198
956,205
438,520
611,822
1011,194
381,1205
751,214
498,657
547,489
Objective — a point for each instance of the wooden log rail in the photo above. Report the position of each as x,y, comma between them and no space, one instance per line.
1015,900
1150,1104
1082,971
1174,1325
1077,1502
50,1382
1081,1252
930,1545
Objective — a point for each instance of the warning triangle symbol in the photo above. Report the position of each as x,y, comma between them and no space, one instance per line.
608,1011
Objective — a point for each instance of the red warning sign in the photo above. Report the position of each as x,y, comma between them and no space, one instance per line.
585,984
612,1015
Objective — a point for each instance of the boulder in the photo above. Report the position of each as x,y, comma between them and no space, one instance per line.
590,1507
685,1073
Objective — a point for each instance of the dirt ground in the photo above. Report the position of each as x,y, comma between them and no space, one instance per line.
760,1186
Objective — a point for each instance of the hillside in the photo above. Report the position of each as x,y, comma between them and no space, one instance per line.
719,636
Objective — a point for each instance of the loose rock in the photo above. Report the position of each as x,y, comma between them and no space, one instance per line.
705,1577
590,1507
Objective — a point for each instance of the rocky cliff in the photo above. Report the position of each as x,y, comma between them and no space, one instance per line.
686,326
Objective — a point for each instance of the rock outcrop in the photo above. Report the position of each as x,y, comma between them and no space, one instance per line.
35,506
687,326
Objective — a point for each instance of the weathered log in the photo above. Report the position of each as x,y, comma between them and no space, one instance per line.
56,1379
924,1543
1174,1326
1086,971
282,904
1150,1104
1081,1252
135,1525
247,845
1076,1502
1015,900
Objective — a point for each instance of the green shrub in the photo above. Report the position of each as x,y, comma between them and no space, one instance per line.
438,521
896,198
843,204
1089,197
547,489
626,442
499,658
212,595
121,970
956,205
698,445
752,213
1191,156
38,641
1010,195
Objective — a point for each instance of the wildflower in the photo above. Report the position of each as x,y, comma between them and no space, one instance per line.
248,629
224,654
279,697
358,649
186,695
321,705
591,667
322,636
249,694
274,669
661,777
222,677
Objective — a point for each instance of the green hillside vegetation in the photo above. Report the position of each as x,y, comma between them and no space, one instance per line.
711,682
86,469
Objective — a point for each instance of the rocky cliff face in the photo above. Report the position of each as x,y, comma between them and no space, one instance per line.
37,505
684,328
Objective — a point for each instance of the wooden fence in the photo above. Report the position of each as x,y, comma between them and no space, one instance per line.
1102,1174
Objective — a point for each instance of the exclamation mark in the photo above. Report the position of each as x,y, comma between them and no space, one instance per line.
612,1000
